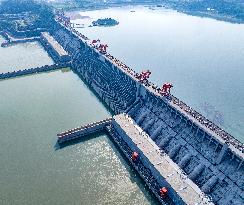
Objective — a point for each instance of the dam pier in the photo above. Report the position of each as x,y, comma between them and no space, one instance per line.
29,71
83,131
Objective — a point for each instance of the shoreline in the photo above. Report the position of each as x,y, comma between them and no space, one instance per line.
198,13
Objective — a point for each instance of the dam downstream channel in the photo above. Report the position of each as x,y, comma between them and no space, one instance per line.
22,56
202,57
33,170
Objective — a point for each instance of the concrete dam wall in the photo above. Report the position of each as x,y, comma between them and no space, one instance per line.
117,89
214,164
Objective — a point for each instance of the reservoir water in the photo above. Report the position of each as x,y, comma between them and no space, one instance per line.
33,109
202,57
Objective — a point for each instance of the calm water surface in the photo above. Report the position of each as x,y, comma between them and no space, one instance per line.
33,110
202,57
22,56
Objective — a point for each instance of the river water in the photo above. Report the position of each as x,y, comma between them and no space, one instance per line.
33,109
202,57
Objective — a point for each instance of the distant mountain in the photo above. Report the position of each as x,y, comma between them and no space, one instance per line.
228,10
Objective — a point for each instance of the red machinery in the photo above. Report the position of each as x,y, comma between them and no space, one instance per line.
103,48
165,89
163,192
95,41
143,76
134,156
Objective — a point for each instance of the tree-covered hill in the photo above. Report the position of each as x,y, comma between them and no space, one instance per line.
25,15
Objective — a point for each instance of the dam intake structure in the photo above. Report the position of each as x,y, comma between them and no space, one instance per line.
210,158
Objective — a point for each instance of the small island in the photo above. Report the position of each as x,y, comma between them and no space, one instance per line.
105,22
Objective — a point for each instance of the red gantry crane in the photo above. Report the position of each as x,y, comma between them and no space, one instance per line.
94,42
165,89
143,76
103,48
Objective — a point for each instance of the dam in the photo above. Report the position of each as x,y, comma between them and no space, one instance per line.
208,156
204,164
